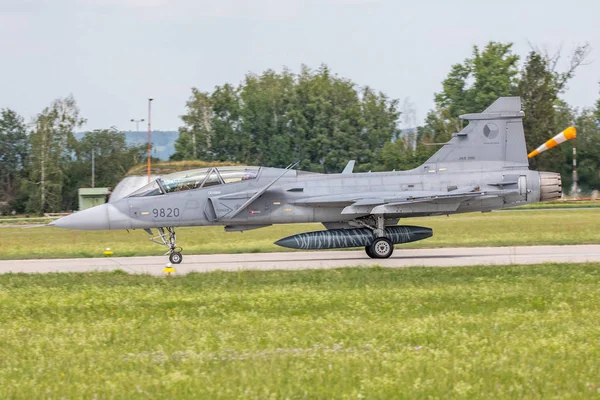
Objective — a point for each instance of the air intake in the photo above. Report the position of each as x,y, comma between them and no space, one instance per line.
550,186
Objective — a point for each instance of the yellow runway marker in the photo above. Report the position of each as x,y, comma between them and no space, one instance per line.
169,269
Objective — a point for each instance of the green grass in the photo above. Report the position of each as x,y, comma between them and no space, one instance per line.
479,332
25,221
562,204
532,227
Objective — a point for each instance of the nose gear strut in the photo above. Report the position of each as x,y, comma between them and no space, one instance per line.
166,237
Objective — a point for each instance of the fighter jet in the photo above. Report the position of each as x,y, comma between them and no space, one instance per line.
483,167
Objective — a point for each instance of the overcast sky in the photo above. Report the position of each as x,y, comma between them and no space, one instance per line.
114,54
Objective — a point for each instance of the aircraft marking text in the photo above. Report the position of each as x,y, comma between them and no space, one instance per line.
166,212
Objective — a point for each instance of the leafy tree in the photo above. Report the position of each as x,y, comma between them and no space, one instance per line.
332,120
495,71
194,140
471,87
577,58
13,154
438,129
545,113
275,118
539,96
227,144
456,97
588,153
399,156
52,148
112,159
379,117
328,114
266,100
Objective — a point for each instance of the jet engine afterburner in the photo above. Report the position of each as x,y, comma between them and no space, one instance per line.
550,186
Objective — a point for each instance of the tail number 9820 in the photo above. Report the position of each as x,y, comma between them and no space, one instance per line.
166,212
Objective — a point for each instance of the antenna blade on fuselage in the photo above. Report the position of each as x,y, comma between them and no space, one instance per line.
349,167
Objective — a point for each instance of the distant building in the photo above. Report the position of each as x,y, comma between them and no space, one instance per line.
91,197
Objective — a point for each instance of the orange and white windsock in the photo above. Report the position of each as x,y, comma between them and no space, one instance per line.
565,135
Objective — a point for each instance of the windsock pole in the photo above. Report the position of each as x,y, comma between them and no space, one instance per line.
574,188
567,134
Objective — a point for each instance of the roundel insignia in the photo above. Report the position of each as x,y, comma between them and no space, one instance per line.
490,131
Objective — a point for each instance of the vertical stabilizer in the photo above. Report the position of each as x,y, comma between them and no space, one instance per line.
493,136
504,104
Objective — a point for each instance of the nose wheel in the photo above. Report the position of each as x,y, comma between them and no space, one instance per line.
166,237
175,257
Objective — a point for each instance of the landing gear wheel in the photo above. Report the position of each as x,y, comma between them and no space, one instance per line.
381,248
166,237
175,257
368,251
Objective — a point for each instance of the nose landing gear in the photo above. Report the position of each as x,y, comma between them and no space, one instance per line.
166,237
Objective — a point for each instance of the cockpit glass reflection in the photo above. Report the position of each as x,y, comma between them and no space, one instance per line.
196,179
151,189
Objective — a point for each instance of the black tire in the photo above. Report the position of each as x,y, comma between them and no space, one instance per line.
175,257
381,248
368,251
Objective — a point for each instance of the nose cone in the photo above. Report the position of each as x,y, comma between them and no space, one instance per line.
95,218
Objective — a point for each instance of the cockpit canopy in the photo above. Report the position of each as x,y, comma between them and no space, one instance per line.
195,179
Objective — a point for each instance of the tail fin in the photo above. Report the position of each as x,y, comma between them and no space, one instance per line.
495,135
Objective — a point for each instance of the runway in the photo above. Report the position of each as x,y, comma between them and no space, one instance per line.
447,257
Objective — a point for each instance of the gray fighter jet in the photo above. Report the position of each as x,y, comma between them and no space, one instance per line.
482,168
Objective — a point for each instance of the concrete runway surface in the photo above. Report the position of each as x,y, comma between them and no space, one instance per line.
448,257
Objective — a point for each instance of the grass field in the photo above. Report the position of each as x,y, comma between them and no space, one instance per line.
530,227
479,332
562,204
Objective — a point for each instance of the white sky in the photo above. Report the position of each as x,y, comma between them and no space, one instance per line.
114,54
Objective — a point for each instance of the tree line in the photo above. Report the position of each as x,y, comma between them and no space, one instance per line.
42,164
276,118
314,116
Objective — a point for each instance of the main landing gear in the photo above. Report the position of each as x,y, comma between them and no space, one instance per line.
166,237
380,247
